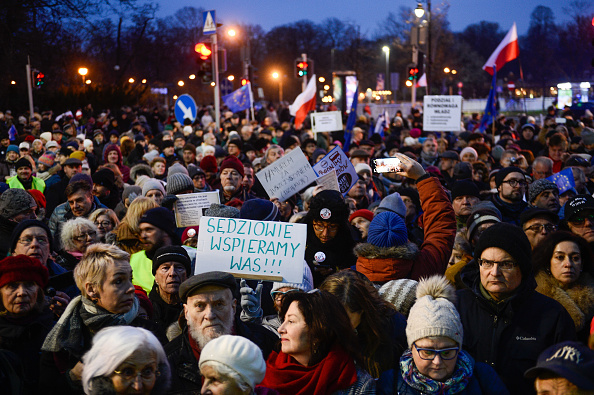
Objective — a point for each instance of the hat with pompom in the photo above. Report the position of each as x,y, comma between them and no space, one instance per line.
387,230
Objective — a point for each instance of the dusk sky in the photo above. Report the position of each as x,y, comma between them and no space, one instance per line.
271,13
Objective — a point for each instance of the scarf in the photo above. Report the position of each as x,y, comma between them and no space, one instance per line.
455,384
333,373
82,312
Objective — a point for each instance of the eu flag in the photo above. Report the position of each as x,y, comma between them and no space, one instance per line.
350,124
564,180
238,100
490,109
12,133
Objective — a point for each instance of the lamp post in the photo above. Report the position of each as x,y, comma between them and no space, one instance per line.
83,71
386,50
278,77
419,12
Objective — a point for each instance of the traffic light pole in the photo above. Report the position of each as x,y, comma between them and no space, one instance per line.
29,87
304,82
215,71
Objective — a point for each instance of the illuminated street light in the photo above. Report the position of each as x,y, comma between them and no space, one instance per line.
446,70
419,11
231,77
174,97
232,32
143,81
275,75
13,82
326,87
131,80
83,71
88,82
180,83
192,76
322,79
212,83
454,72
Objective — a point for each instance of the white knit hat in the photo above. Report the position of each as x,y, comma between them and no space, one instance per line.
238,354
306,285
434,313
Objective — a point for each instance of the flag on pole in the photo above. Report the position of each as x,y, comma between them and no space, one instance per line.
304,103
507,50
422,81
381,124
491,108
239,100
350,124
12,133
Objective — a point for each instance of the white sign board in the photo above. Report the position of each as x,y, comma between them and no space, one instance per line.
329,121
345,171
189,207
329,181
442,113
265,250
209,25
287,175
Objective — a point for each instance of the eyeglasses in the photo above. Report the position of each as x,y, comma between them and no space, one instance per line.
503,265
27,240
277,296
581,219
84,236
320,227
515,183
429,354
130,374
103,224
537,228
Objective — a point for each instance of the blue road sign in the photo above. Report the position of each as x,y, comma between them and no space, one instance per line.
209,23
185,107
226,87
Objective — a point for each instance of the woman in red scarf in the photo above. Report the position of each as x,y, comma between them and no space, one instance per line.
318,349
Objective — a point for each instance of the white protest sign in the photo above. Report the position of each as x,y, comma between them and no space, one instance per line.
264,250
329,121
189,207
345,171
287,175
329,181
442,113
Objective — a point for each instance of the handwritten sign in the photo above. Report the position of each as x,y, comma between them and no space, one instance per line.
329,121
345,171
287,175
251,249
189,207
442,113
329,181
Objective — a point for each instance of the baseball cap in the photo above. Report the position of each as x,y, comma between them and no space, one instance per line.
578,204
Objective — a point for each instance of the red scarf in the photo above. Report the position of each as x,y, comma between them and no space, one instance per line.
335,372
195,347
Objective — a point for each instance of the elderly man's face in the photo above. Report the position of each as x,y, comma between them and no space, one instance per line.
24,173
463,204
430,147
230,180
209,312
541,170
548,199
537,229
80,203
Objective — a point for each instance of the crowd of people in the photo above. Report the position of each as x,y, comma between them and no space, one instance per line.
468,270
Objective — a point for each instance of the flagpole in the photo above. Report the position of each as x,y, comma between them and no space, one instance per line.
522,89
251,100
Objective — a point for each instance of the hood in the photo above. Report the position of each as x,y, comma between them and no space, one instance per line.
406,251
113,147
140,167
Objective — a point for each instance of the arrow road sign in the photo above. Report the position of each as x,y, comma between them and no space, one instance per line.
209,22
185,107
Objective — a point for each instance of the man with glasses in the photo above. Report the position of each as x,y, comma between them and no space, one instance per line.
537,224
579,216
544,194
511,187
507,324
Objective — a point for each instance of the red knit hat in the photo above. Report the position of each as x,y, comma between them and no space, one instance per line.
209,163
38,196
144,300
231,162
22,268
368,215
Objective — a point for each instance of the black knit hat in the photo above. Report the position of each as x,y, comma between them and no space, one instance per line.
172,254
501,174
465,188
328,206
163,219
23,162
512,240
26,224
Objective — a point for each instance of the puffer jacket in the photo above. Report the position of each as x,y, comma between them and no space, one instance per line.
381,264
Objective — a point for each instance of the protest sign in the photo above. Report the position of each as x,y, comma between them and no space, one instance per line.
329,121
329,181
189,207
287,176
345,171
250,249
442,113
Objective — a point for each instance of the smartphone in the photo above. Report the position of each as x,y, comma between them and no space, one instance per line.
386,165
560,121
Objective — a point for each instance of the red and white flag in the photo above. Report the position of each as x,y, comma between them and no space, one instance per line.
304,103
507,50
422,81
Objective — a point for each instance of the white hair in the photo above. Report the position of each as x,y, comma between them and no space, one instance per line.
208,150
113,345
79,224
224,370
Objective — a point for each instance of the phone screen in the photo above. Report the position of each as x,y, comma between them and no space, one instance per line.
386,165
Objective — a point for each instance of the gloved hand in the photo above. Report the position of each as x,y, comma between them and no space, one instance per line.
250,301
169,201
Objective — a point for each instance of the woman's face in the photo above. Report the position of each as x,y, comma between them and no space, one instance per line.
159,168
216,383
156,195
137,374
468,157
19,297
113,157
294,335
34,242
273,155
566,262
104,225
117,293
84,238
437,368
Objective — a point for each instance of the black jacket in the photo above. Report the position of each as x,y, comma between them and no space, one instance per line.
54,194
164,314
185,374
6,228
509,336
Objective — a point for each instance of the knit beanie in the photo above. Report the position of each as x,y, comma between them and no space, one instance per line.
80,155
151,184
368,215
209,164
462,171
81,177
434,313
177,168
231,162
328,206
47,159
306,285
13,148
47,136
39,197
172,254
221,211
387,229
481,213
588,136
179,182
469,150
539,186
131,192
511,239
393,203
26,224
238,354
104,177
149,156
23,162
502,173
163,219
14,201
259,209
400,293
22,268
465,188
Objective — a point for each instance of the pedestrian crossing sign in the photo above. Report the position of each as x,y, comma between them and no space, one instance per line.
209,22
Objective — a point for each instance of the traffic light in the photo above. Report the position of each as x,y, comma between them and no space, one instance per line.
38,79
244,81
300,68
204,61
413,73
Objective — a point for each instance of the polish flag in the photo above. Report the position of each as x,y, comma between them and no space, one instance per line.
304,103
422,81
507,50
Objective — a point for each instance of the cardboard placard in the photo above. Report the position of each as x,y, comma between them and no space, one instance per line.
345,171
287,175
442,113
329,121
189,207
264,250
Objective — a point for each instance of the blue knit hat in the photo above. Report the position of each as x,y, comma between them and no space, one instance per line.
387,230
259,209
13,148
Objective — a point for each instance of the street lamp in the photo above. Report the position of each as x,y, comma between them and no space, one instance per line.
131,80
386,50
278,77
143,81
192,76
231,78
419,12
83,71
88,82
180,83
322,79
232,32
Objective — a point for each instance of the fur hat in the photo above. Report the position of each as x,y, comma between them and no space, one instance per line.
434,313
401,293
179,182
22,268
539,186
14,201
387,229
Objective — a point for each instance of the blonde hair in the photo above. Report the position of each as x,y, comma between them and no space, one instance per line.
108,213
137,208
73,226
92,268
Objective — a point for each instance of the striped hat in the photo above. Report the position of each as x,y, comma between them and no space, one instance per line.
401,293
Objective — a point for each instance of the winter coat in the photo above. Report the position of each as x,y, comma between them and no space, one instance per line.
126,239
381,264
54,194
365,385
6,228
164,314
578,299
510,335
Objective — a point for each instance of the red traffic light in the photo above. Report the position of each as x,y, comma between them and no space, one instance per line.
203,50
244,81
413,71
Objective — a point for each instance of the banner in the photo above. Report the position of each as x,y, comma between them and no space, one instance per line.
189,207
345,171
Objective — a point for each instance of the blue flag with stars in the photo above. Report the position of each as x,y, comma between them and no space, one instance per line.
564,180
491,108
238,100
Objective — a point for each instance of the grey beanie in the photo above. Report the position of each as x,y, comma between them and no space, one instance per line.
400,293
539,186
179,182
152,184
14,201
588,136
177,168
393,203
221,211
306,285
434,313
131,192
